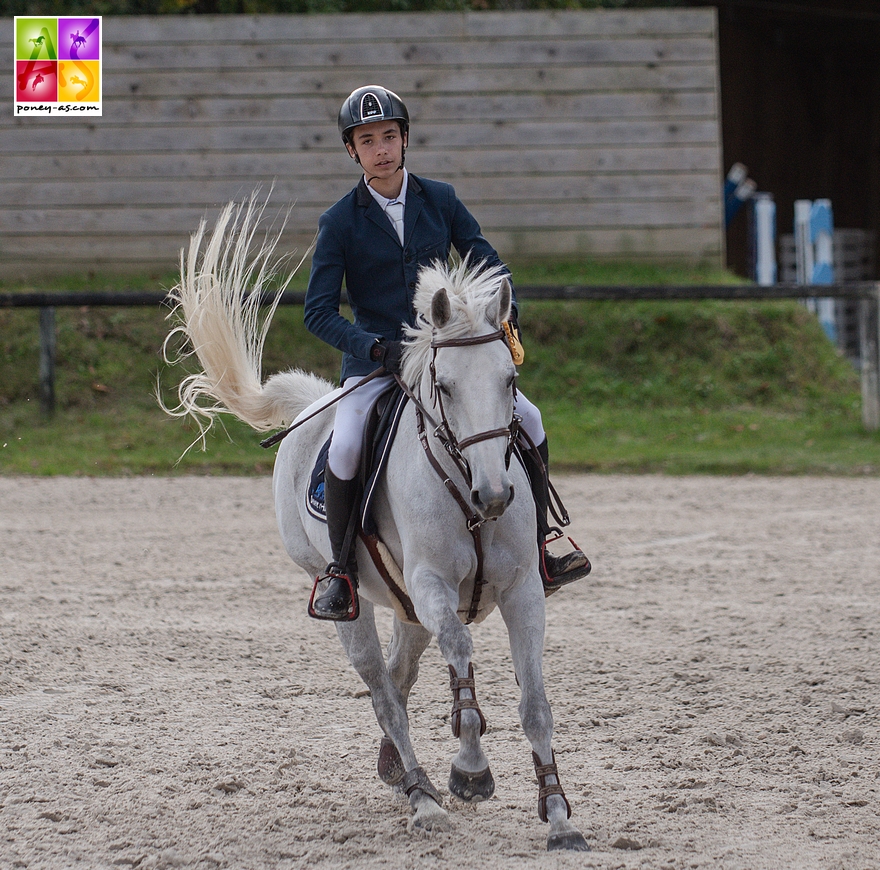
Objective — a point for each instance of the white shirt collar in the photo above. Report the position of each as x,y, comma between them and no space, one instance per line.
384,201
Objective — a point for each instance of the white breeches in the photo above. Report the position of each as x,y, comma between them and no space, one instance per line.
352,413
531,417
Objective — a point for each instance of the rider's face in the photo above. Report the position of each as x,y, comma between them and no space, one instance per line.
379,146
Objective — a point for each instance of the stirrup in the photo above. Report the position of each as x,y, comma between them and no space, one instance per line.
334,572
575,565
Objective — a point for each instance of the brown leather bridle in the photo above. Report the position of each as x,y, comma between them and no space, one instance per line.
454,446
443,431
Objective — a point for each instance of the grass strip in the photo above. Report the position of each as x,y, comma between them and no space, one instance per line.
670,387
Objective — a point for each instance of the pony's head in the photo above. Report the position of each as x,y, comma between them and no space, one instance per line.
471,384
454,302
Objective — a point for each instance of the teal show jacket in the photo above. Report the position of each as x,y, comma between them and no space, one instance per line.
357,244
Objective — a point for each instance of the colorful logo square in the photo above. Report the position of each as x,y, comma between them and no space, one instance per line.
79,38
79,82
36,39
36,81
58,66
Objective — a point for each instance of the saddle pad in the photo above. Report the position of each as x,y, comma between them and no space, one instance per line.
315,494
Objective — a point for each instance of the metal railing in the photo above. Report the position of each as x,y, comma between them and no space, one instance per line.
867,292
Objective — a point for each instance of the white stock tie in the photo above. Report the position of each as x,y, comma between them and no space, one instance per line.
394,210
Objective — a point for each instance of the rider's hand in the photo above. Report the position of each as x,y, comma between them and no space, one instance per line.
389,353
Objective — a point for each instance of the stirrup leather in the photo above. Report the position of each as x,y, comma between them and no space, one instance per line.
335,572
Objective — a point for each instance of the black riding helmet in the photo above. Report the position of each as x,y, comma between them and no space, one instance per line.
371,103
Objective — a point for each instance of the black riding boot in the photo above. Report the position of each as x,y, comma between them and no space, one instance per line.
556,571
335,593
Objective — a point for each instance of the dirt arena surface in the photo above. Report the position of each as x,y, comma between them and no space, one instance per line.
165,702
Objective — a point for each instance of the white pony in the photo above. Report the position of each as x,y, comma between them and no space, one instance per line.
460,374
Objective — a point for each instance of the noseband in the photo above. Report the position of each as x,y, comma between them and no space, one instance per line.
443,431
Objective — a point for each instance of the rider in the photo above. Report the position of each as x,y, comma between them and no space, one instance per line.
375,239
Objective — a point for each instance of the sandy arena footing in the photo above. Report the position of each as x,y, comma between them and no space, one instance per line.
165,702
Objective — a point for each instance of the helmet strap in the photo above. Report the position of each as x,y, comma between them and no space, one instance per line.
399,168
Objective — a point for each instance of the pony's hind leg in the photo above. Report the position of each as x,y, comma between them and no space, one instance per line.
407,644
470,778
361,642
523,612
405,649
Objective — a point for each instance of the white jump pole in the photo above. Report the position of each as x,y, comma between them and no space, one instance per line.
764,238
814,256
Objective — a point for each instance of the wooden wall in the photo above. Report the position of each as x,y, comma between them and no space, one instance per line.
566,133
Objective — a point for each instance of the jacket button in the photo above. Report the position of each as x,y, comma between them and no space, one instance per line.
407,259
412,285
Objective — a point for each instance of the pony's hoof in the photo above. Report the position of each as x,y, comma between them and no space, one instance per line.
471,787
572,840
429,817
390,766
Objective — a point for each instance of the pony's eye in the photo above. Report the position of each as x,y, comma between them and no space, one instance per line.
443,388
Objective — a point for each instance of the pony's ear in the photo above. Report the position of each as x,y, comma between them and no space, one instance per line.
505,294
441,310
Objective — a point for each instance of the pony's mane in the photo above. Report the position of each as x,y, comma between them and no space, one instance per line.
472,290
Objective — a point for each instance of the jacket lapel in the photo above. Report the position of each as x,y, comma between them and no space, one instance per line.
414,203
374,211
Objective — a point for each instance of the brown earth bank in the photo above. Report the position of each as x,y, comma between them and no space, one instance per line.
165,702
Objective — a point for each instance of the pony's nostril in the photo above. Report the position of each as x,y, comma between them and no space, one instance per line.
492,505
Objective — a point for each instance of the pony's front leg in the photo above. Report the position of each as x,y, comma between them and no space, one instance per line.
407,644
361,642
523,612
435,602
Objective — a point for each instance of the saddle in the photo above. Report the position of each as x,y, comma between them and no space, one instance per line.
379,434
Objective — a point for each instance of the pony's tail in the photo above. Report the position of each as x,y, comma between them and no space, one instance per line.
217,313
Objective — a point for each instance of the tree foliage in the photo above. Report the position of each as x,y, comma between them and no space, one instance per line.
213,7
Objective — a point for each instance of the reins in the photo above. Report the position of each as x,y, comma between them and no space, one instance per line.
280,436
473,520
554,501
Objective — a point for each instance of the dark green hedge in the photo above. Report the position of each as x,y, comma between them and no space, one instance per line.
177,7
